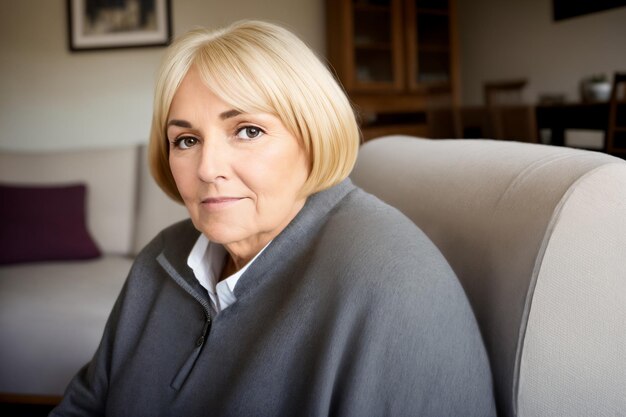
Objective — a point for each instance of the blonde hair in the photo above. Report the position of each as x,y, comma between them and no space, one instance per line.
261,67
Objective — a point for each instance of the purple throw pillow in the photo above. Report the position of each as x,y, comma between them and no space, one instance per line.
44,223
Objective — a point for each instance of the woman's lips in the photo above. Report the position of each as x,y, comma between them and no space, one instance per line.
218,203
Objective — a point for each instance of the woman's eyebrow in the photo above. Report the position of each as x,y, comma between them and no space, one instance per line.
179,123
185,124
229,113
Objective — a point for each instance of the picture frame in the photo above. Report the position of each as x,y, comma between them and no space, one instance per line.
114,24
566,9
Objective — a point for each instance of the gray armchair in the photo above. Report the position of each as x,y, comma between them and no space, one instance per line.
537,237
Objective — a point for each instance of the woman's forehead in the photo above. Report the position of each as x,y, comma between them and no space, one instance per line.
244,95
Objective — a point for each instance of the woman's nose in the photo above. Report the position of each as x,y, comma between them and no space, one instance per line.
214,160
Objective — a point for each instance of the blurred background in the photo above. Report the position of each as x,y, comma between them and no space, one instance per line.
52,98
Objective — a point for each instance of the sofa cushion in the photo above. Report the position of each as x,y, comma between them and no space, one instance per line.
109,175
44,223
52,316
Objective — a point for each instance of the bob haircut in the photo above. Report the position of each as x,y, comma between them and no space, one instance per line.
256,66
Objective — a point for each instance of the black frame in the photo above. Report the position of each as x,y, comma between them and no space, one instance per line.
565,9
162,37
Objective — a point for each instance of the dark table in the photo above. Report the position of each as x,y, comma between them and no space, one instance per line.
558,117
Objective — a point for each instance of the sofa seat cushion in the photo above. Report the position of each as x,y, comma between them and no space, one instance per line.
51,320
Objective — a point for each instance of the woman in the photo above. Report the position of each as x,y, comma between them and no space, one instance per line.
290,292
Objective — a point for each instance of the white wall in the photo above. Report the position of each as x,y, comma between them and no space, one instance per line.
51,98
518,39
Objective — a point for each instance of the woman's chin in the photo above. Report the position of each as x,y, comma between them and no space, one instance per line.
222,234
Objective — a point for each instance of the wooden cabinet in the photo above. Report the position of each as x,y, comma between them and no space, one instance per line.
397,60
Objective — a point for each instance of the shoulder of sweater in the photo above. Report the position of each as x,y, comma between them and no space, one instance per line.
362,222
380,259
366,207
376,244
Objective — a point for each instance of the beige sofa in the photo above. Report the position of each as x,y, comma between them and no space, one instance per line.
537,236
52,313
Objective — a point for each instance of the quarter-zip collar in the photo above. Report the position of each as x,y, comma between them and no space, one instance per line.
177,247
295,237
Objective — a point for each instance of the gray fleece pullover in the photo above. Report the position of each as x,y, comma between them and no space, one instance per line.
350,311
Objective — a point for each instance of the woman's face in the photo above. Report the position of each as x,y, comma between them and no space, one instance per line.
239,174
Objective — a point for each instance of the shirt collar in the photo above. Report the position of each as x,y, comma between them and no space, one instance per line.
207,260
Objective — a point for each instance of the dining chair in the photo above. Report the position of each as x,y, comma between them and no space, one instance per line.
616,132
509,117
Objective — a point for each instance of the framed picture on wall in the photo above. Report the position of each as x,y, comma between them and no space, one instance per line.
112,24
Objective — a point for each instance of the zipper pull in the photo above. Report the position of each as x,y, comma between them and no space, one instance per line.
205,330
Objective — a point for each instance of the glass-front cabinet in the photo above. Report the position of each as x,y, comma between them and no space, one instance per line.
376,45
429,44
394,57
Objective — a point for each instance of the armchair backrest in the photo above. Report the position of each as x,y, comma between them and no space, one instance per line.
537,236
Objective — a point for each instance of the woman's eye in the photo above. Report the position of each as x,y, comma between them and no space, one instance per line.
185,142
249,132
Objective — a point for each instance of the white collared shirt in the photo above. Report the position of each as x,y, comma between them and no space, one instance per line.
207,260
